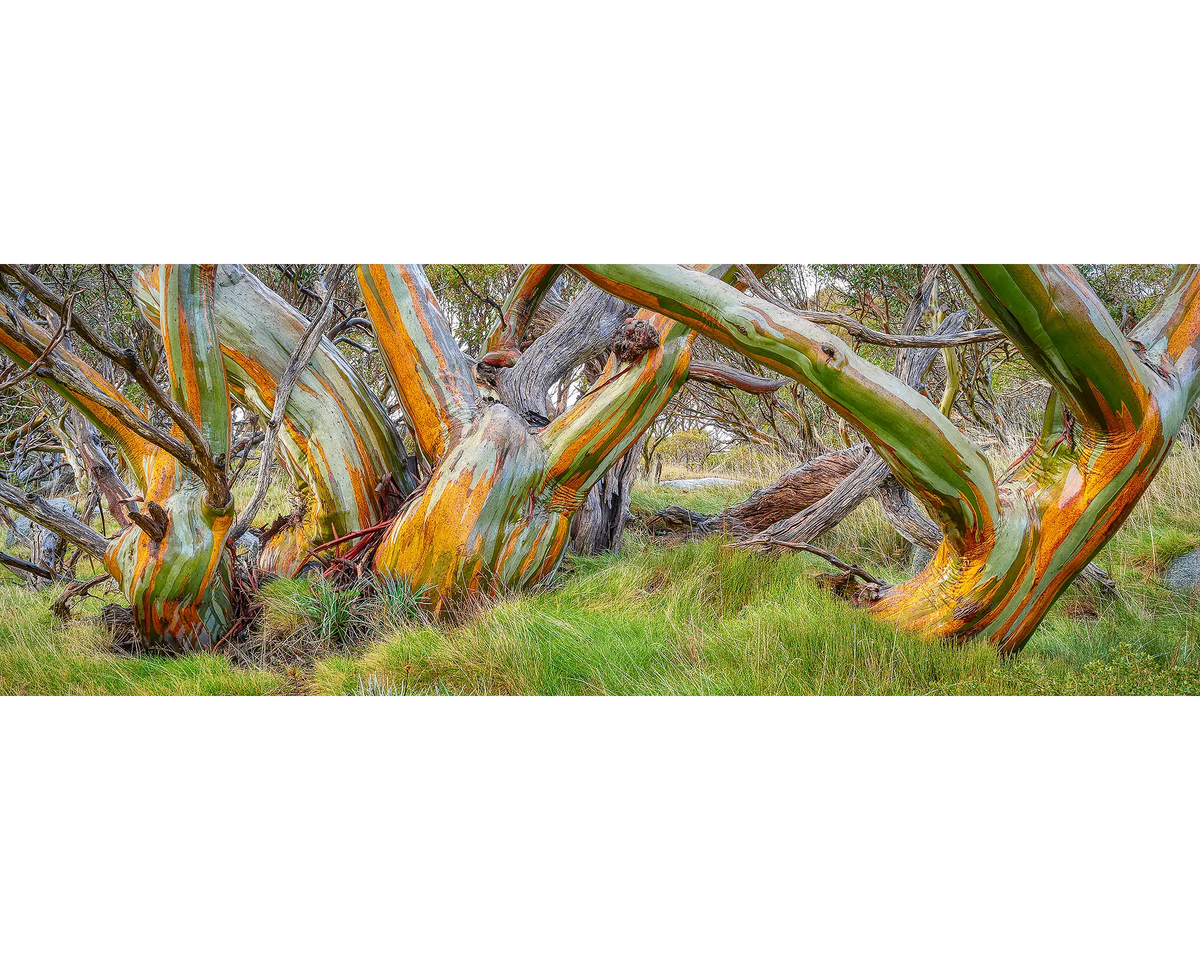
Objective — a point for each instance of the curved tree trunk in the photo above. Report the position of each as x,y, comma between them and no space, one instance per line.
1010,547
813,498
494,514
172,563
496,511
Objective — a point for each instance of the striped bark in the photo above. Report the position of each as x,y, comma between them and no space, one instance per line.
338,445
495,513
1011,545
172,564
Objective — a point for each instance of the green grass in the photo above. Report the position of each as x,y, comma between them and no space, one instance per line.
706,619
38,656
700,618
650,497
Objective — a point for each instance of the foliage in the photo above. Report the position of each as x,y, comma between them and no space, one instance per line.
472,295
1129,289
691,447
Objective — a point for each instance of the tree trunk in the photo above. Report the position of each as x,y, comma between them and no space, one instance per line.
99,468
1009,547
171,563
600,522
496,512
340,449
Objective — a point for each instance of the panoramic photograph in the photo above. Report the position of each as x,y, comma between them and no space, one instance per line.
549,479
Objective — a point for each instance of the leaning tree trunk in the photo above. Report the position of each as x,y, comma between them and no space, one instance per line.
1010,546
810,500
495,513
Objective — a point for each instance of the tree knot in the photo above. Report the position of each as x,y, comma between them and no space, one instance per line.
634,339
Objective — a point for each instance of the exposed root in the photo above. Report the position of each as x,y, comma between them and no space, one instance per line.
118,624
61,607
850,588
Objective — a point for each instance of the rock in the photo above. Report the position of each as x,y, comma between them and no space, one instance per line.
699,483
25,525
920,559
1183,573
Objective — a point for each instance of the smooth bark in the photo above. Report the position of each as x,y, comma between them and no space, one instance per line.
1011,547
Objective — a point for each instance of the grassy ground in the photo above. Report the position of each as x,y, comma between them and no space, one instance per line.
694,619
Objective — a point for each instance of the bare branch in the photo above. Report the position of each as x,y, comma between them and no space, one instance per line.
817,551
723,375
38,510
199,458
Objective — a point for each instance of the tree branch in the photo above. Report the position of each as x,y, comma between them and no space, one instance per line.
924,450
430,374
39,511
1059,325
300,359
731,378
504,341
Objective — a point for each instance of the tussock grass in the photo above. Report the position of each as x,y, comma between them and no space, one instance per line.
307,618
702,618
698,618
39,656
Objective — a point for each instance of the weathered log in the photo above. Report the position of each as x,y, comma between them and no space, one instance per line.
811,499
794,491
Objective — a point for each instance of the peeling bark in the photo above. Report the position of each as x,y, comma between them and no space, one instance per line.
172,564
